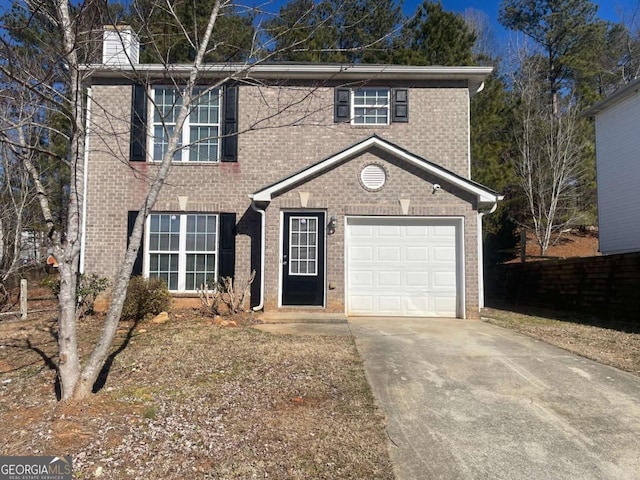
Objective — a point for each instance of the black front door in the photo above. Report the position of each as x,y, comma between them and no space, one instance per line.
303,258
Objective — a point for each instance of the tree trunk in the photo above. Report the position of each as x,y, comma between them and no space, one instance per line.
100,353
68,361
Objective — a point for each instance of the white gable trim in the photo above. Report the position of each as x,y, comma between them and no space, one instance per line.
485,196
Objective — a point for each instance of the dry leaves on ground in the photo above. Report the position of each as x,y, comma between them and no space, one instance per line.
188,399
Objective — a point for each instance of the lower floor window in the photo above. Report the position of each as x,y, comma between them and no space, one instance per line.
183,249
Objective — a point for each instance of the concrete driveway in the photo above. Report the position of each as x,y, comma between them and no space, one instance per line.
469,400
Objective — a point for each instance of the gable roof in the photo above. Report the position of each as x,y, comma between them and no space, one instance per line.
486,197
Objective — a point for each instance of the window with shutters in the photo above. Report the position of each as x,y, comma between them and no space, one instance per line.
200,139
370,106
182,249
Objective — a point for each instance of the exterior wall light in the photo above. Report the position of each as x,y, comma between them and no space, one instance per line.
331,226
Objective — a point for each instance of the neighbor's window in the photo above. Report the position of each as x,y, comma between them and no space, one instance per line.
183,249
200,133
370,106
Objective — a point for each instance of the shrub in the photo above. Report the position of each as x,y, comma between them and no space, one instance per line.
145,298
88,288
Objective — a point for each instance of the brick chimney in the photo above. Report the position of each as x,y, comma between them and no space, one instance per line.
120,45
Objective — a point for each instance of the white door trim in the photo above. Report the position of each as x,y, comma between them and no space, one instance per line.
281,252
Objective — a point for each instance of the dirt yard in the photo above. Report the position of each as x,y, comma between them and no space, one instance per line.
188,399
611,347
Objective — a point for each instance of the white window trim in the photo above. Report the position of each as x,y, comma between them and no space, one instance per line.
182,253
315,258
184,150
354,106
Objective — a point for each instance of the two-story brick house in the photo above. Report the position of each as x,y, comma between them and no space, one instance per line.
346,187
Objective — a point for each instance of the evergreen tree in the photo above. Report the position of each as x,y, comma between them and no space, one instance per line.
164,39
304,31
435,37
561,29
358,31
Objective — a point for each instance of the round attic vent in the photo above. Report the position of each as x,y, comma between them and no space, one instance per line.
373,176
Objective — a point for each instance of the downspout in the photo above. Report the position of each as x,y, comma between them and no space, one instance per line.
83,229
481,255
263,236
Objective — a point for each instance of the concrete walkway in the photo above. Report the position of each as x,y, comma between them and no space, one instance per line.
469,400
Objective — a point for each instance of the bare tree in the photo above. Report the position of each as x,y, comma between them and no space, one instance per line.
15,199
485,48
549,157
56,86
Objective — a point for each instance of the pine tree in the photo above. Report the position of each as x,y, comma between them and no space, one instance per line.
435,37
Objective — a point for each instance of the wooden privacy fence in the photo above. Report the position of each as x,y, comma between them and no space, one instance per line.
607,287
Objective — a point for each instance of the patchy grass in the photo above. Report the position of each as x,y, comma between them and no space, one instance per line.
605,345
191,400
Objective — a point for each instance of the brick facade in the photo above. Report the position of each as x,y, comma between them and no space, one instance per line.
282,130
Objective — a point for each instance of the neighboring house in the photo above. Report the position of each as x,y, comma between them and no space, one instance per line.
617,120
346,187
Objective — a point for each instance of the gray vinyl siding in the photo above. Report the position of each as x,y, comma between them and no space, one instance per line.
618,165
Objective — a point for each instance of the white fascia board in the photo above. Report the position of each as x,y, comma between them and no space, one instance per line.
484,197
474,75
266,195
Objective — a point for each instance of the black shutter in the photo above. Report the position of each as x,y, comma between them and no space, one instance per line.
230,124
137,265
227,245
400,105
342,106
138,147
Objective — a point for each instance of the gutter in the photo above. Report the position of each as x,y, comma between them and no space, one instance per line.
263,237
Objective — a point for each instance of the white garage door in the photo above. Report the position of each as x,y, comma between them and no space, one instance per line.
402,266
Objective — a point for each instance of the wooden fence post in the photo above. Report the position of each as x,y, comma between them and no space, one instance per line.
23,298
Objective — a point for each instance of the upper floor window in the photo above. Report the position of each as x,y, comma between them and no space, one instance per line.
200,136
210,131
370,106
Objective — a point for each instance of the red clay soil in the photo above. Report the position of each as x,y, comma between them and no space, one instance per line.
570,244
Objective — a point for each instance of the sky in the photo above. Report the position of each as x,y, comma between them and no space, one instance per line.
607,9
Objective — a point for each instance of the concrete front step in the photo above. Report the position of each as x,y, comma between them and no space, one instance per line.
302,317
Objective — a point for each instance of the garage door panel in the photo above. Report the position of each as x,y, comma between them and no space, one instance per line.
444,305
444,254
444,280
389,254
416,230
362,303
361,230
389,279
388,231
361,278
389,304
361,254
444,231
417,254
416,305
417,280
402,267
